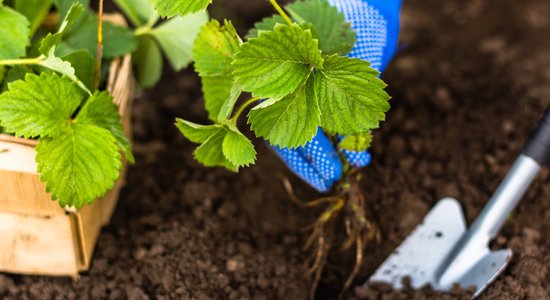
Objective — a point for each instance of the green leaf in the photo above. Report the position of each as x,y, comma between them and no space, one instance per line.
290,122
117,40
221,146
14,33
176,37
34,10
138,11
100,110
274,64
351,96
267,24
84,66
215,48
148,60
51,40
238,149
335,34
357,142
80,165
197,133
170,8
220,95
39,106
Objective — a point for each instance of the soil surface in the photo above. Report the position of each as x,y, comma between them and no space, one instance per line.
468,86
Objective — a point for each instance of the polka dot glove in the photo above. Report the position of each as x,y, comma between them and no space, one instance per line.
377,25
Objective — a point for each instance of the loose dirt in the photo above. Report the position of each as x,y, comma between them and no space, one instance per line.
469,84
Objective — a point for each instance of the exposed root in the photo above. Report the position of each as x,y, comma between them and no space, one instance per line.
350,206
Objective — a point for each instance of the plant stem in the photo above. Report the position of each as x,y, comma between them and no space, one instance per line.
281,11
243,107
99,51
21,61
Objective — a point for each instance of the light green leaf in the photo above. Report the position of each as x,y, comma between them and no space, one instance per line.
138,11
55,63
210,153
220,95
148,60
34,10
357,142
63,6
274,64
335,34
215,48
267,24
176,37
84,66
51,40
351,96
101,111
80,165
238,149
170,8
39,106
221,146
196,133
14,33
290,122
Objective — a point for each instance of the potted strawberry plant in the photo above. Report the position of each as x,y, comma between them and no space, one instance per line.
66,86
297,79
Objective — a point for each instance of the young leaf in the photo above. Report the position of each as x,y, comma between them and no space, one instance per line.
176,37
51,40
267,24
221,145
63,6
55,63
351,96
14,33
290,122
220,95
335,34
100,110
34,10
170,8
79,165
138,11
197,133
238,149
215,48
357,142
39,106
275,63
148,60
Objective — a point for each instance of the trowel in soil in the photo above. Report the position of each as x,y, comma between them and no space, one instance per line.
442,252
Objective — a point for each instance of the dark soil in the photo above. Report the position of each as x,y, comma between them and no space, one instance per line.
470,83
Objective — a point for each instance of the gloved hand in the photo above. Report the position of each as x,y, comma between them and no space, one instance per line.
377,25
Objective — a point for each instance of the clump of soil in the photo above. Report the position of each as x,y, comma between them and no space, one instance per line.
468,86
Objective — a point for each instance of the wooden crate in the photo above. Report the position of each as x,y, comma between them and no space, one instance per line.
37,236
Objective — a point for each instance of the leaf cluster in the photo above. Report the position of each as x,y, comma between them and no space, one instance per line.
300,73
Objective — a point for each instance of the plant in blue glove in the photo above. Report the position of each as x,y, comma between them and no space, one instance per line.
311,101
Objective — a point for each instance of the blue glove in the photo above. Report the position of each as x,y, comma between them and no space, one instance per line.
377,25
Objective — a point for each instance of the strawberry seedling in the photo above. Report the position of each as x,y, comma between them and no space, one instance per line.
295,69
52,85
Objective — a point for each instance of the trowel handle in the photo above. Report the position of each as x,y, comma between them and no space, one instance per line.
538,147
535,155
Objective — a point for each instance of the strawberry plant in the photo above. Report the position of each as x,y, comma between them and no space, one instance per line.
52,85
294,69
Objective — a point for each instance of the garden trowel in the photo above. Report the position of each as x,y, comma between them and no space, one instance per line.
442,252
